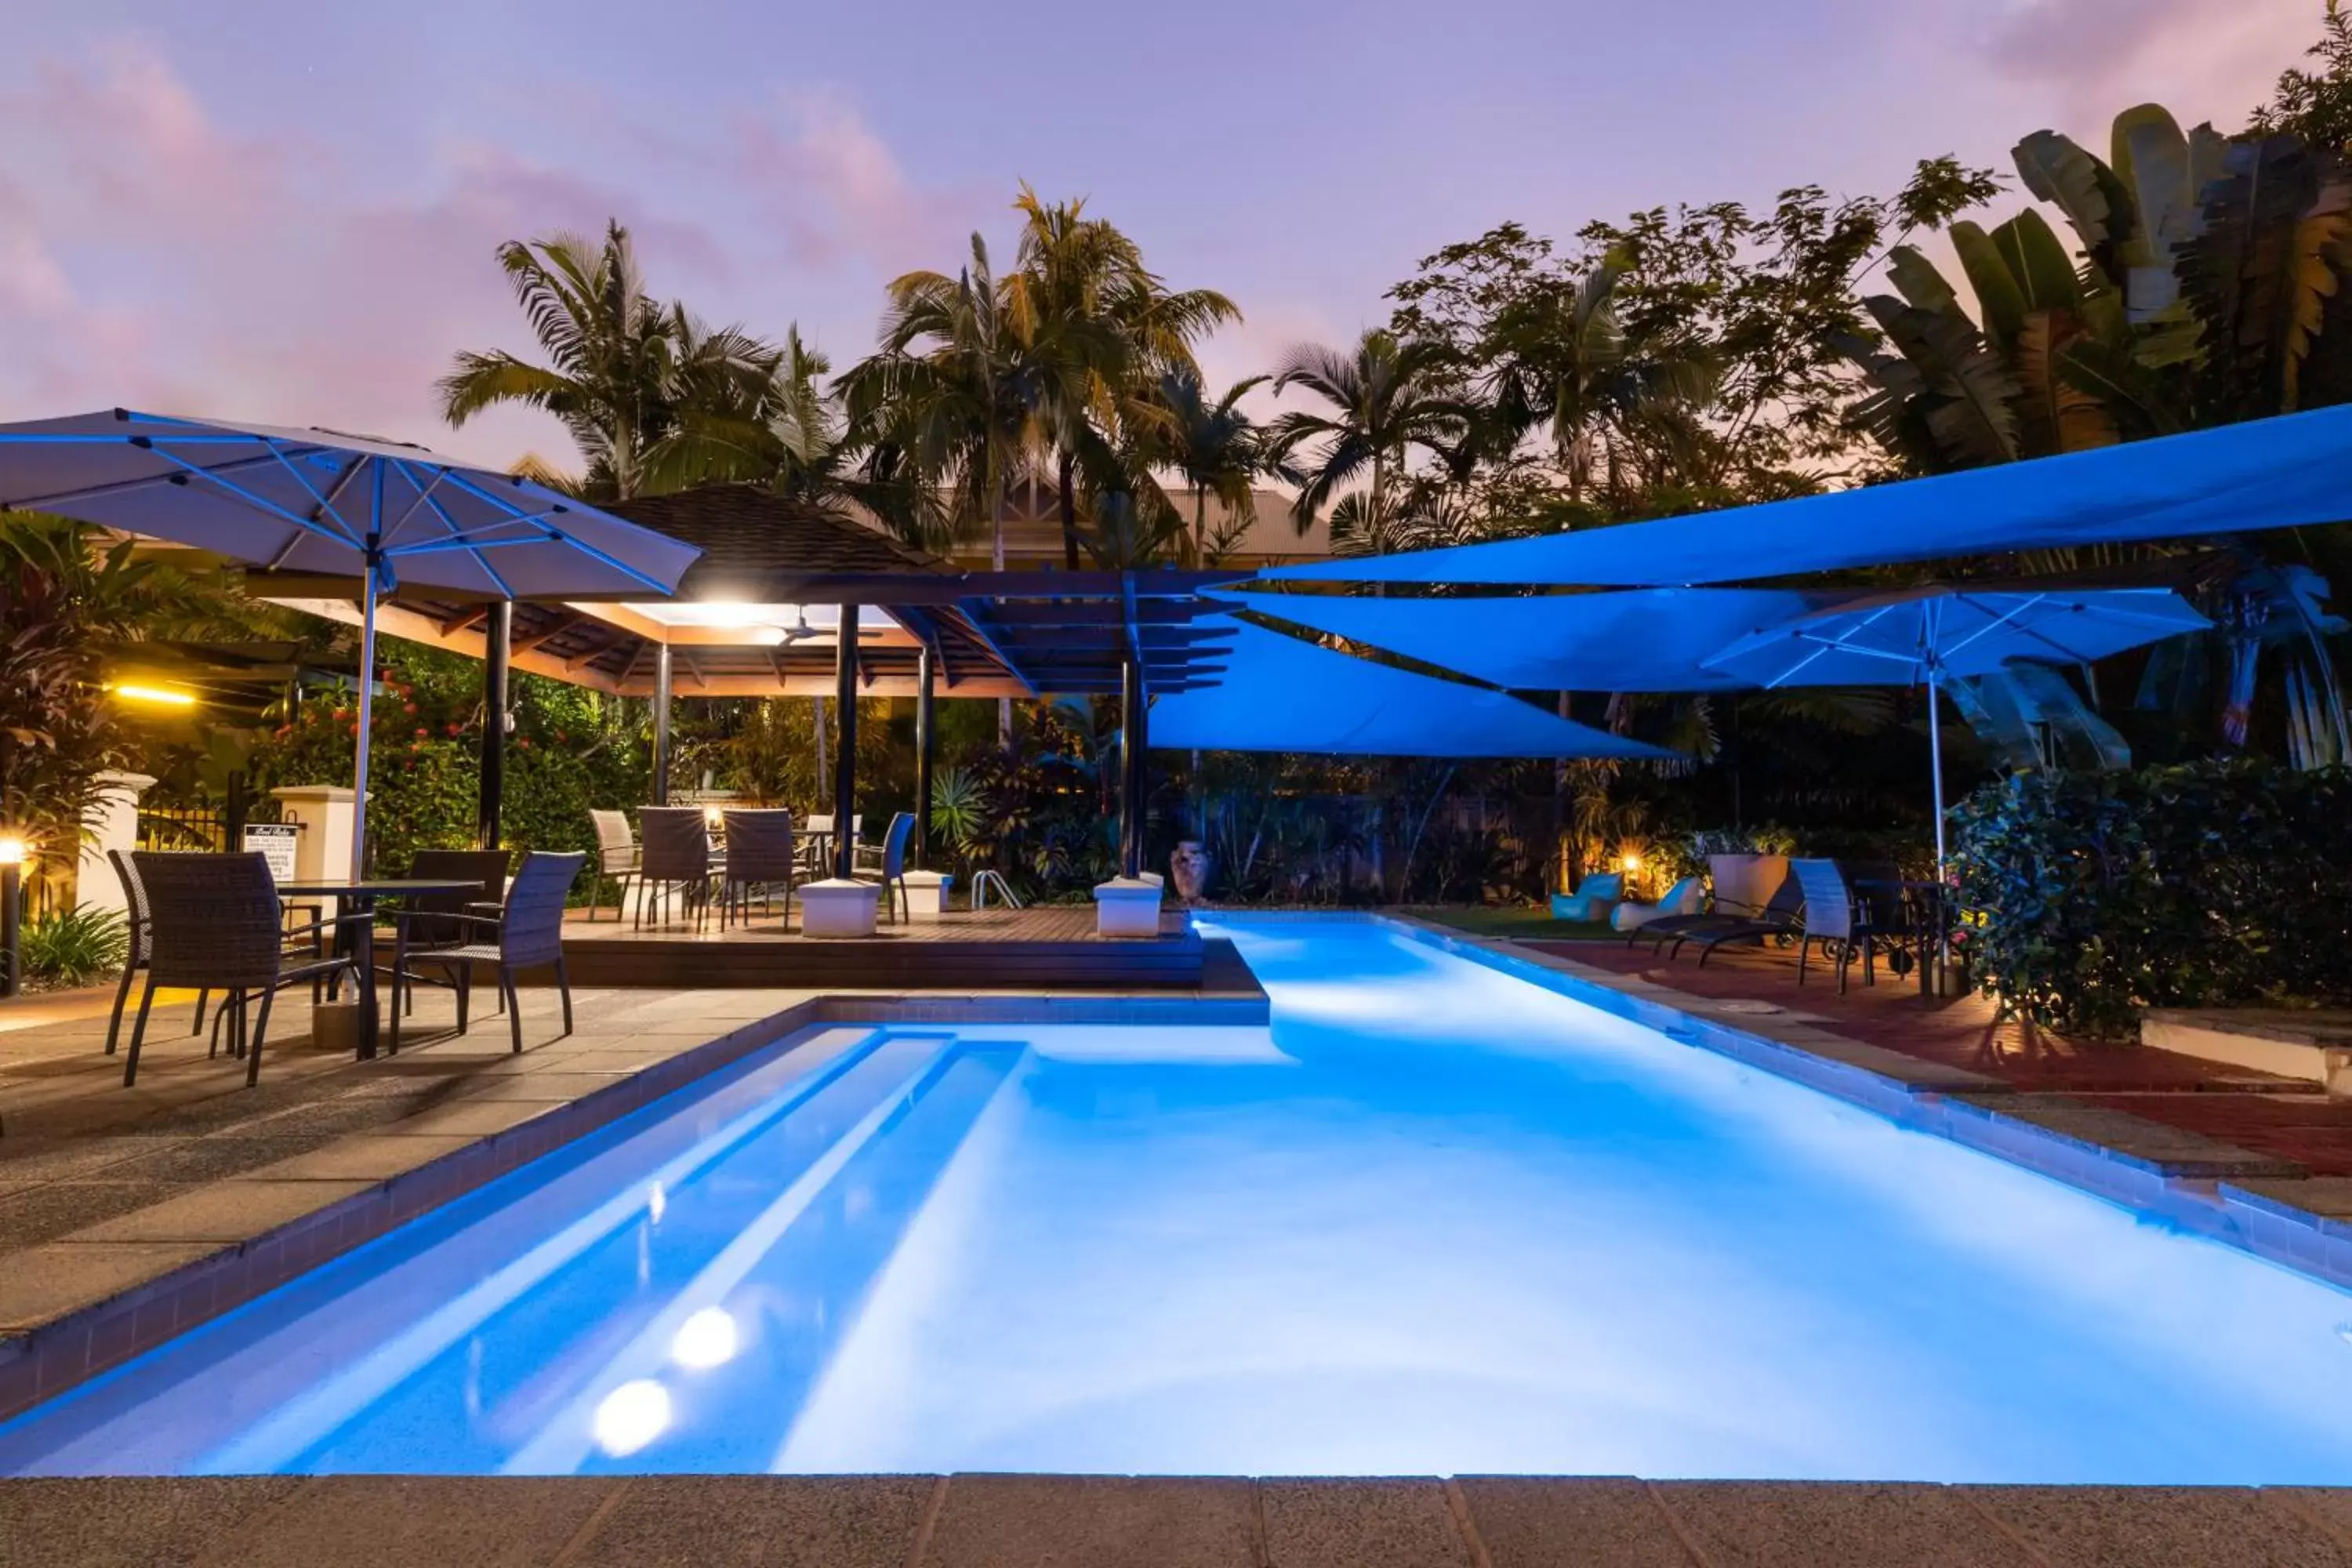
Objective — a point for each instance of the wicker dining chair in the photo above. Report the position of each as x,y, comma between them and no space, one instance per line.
433,925
526,933
617,860
760,853
889,864
215,922
675,853
137,949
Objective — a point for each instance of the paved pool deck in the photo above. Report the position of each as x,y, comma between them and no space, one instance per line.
1060,1522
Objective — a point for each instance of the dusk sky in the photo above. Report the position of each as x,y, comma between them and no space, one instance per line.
286,211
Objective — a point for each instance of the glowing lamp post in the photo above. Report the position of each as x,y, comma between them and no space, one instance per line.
12,908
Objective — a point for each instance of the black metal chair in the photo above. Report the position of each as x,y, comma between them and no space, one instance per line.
674,852
215,922
889,864
527,933
760,852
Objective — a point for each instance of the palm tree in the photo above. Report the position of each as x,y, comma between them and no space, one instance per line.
773,425
621,364
943,401
1096,328
1387,397
1216,446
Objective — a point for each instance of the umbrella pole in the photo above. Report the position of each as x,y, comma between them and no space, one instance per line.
1935,782
367,690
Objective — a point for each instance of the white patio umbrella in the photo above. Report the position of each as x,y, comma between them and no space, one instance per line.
1924,636
321,501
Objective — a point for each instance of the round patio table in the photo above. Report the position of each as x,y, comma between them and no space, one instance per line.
358,898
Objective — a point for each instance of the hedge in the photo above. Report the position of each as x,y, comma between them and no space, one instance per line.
2091,895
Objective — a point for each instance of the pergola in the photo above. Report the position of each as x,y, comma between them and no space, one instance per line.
761,613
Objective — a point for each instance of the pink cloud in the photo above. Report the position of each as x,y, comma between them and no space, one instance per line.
837,193
2203,58
147,256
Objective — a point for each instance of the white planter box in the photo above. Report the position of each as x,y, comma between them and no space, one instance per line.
1125,907
835,907
927,895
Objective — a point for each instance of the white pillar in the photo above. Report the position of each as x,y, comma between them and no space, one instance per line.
113,824
326,815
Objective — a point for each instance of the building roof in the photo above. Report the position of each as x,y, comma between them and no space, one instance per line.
992,634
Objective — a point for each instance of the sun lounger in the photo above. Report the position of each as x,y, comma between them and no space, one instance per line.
1688,897
1780,916
1591,900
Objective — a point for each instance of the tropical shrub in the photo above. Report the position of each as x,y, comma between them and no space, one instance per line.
74,947
2091,896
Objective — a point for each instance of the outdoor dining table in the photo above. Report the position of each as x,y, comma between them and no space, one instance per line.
358,898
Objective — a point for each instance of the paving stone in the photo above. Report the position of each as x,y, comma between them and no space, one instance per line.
2171,1149
212,1159
2328,1196
474,1120
112,1522
45,1213
2161,1527
44,1282
24,1161
1601,1522
2329,1507
1094,1521
228,1211
543,1088
365,1157
1353,1523
480,1521
1800,1525
774,1521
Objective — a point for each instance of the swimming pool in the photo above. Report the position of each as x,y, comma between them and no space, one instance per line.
1437,1219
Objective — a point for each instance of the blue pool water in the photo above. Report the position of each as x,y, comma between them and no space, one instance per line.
1437,1219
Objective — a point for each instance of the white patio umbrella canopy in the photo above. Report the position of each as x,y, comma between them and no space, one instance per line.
1926,635
317,500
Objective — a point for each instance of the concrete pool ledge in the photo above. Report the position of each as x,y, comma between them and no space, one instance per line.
2268,1206
1117,1522
96,1297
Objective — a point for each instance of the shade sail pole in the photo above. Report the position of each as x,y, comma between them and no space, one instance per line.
661,723
1134,742
926,745
496,649
844,743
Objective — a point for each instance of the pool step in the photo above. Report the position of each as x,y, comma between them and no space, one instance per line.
549,1289
731,1355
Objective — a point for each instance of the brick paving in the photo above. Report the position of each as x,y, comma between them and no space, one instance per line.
2275,1116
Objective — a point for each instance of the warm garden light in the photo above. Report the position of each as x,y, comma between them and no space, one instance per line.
14,851
161,696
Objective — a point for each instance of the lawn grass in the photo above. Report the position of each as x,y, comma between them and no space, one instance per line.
1514,922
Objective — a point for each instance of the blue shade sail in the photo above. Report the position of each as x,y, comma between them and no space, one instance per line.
1280,694
319,502
1905,638
2265,473
1646,639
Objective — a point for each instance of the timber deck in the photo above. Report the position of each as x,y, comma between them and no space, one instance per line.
1053,946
